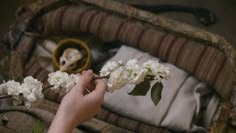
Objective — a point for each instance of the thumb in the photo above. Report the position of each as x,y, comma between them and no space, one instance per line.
99,91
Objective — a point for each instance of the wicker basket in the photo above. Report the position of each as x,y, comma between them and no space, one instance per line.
111,21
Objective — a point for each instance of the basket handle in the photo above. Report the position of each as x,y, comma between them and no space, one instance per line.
202,15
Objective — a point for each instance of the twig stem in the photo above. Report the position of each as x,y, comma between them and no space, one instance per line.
5,96
101,77
49,86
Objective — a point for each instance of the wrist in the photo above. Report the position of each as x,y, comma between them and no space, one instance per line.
61,124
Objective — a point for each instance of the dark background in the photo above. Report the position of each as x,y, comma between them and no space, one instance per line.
225,11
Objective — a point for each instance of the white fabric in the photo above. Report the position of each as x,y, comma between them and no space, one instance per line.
182,98
44,58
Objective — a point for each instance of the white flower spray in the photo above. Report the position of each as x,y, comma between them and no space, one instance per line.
61,81
118,74
28,92
132,73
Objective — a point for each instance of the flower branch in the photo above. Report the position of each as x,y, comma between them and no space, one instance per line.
101,77
117,74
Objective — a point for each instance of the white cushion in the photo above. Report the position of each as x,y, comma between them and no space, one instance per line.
182,98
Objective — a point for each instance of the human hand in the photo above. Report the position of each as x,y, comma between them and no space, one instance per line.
77,106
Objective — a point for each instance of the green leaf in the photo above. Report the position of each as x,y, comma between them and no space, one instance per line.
141,89
38,128
156,92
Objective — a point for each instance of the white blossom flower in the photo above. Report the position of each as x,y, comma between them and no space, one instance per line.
163,72
62,82
151,67
71,82
117,79
136,73
139,78
132,67
109,67
13,87
57,79
154,68
32,89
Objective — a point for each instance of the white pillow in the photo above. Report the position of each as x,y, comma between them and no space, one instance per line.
182,98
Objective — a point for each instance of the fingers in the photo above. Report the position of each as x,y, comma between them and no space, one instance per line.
100,89
100,86
84,81
97,87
